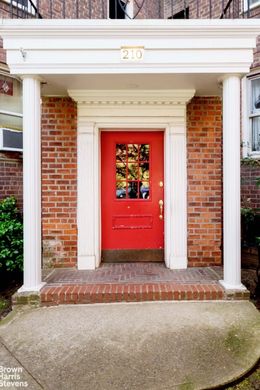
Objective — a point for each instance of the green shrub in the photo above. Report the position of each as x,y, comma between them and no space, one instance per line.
11,236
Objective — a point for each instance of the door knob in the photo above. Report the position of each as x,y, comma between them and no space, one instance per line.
161,208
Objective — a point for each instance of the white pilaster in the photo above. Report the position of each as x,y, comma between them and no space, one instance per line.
231,182
86,195
176,195
32,184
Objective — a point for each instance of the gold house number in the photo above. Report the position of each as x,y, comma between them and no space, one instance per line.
135,53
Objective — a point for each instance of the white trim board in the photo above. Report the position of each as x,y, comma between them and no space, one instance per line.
96,115
94,46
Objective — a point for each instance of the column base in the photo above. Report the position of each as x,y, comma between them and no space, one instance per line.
227,286
86,262
28,296
25,289
178,262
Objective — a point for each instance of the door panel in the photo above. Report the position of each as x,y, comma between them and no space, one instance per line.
131,189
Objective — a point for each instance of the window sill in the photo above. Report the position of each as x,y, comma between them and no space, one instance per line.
251,159
255,155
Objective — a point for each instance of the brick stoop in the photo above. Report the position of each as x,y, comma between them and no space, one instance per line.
104,293
134,282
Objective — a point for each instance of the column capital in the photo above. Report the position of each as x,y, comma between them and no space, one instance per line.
35,77
178,128
228,76
86,127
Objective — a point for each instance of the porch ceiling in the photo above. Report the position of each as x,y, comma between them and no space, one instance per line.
203,84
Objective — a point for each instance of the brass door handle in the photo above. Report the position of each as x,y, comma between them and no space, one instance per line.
161,208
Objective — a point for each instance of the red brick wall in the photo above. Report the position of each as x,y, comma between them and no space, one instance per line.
204,139
153,9
86,9
197,9
249,189
172,7
11,176
60,9
92,9
256,61
59,175
59,182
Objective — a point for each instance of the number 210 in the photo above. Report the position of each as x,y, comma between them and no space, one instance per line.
132,54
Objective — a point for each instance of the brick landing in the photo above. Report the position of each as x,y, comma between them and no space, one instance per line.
134,282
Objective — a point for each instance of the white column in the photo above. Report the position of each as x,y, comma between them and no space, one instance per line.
32,183
231,182
176,195
87,218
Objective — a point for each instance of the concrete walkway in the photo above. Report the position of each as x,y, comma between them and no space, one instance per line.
146,346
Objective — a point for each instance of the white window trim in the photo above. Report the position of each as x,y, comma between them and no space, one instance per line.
6,112
11,113
252,6
246,119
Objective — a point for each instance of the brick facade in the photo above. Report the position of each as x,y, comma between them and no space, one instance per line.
59,182
11,176
97,9
59,9
256,62
59,154
208,9
172,8
204,140
249,189
59,177
203,9
153,10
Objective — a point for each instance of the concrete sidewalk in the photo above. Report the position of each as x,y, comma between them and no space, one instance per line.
147,346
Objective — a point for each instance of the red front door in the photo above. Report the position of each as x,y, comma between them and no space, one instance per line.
132,196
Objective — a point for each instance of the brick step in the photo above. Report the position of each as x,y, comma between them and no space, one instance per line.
129,292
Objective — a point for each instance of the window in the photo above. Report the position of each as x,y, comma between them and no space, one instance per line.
10,103
255,114
251,117
251,4
121,9
132,171
28,6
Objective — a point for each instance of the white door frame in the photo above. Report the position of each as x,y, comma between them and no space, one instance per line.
132,110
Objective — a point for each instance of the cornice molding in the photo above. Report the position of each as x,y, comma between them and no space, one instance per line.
74,28
94,46
131,97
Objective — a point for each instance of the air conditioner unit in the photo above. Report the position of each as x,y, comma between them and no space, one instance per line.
11,140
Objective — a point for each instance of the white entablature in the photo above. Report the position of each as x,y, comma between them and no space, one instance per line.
93,46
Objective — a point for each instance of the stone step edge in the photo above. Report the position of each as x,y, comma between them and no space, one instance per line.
105,293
